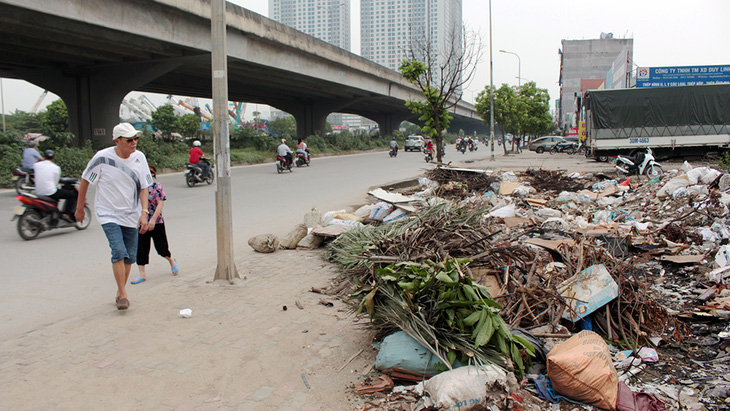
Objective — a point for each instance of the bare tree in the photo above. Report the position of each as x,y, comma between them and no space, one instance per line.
441,73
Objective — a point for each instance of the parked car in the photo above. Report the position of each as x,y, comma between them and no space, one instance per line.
414,143
544,144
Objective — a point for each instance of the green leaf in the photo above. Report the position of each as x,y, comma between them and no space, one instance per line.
485,333
473,318
524,343
517,358
408,286
469,290
443,277
451,356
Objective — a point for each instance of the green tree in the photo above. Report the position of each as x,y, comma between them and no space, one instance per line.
283,126
537,119
509,109
164,120
188,125
441,77
54,120
24,122
412,129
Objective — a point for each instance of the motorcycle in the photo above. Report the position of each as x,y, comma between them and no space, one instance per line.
564,147
24,180
640,163
429,155
472,146
194,173
282,164
303,159
393,152
461,147
41,213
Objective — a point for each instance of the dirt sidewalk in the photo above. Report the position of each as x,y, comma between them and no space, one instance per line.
239,350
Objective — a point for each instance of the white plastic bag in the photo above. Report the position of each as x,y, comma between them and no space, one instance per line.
381,210
463,388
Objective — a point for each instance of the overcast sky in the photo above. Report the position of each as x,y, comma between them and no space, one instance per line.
665,33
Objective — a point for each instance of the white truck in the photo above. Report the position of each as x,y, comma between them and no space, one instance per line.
673,121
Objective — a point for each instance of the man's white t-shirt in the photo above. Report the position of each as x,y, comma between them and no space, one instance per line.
283,149
47,175
118,182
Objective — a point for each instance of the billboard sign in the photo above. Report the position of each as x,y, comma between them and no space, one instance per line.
682,76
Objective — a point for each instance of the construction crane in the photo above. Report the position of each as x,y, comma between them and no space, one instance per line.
39,101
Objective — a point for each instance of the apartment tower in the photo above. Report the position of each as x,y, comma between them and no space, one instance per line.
389,28
327,20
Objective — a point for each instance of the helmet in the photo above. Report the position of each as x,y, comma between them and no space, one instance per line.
283,141
124,130
49,154
196,143
393,138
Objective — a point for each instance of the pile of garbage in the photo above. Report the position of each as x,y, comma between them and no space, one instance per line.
540,275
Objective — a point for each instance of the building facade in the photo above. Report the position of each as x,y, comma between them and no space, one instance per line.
389,28
328,20
589,60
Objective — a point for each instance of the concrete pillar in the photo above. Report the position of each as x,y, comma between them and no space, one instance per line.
93,94
311,116
389,122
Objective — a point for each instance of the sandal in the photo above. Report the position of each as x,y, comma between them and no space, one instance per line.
175,269
122,304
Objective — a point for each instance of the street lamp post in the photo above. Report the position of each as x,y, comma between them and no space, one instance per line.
519,65
491,85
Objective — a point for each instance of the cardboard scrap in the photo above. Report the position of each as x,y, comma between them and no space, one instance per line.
553,245
683,259
390,197
536,202
587,291
508,187
611,189
516,221
333,230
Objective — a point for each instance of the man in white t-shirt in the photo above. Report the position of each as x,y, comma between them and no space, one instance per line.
121,176
47,176
284,151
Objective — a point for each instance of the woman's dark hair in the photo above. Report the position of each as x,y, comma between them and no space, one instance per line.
153,170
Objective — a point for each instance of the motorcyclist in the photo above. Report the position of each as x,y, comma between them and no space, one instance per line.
302,148
284,151
470,143
429,146
47,177
458,142
394,145
197,157
30,156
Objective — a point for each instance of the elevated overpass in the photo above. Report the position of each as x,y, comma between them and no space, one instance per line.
93,52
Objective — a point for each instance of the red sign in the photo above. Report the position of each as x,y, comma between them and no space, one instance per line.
573,132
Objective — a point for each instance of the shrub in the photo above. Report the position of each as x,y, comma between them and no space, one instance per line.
73,160
11,156
163,153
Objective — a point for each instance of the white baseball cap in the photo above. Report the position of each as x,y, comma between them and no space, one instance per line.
124,130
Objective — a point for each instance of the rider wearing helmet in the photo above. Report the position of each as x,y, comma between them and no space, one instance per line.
196,154
429,146
47,176
284,151
394,145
